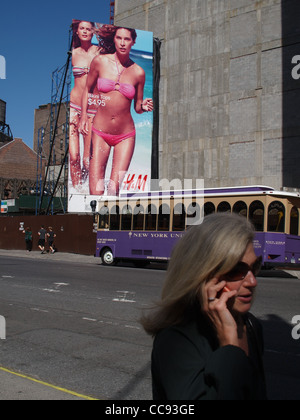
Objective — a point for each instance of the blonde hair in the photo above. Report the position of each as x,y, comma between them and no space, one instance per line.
209,250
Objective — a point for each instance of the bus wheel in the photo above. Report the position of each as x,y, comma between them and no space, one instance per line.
107,257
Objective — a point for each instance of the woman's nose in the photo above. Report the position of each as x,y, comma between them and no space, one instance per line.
250,280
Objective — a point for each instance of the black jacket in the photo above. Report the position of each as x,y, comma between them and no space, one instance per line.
188,364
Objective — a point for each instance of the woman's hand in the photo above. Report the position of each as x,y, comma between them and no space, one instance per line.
83,127
215,306
147,105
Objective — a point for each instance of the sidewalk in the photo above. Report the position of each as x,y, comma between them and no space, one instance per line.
59,256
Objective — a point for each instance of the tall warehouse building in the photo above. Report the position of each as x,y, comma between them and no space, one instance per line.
229,90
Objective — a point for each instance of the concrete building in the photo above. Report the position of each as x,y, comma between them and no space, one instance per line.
230,88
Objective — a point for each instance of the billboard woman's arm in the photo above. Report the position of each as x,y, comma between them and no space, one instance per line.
140,104
89,88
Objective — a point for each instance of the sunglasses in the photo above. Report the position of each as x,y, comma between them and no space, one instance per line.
241,270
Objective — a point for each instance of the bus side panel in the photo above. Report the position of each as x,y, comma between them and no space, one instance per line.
105,240
152,245
271,246
137,245
292,249
259,244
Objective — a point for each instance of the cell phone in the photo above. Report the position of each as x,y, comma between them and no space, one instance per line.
225,289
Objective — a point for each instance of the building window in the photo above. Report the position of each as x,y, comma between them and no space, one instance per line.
257,215
276,217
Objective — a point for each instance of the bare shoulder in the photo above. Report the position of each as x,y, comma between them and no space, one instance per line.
139,71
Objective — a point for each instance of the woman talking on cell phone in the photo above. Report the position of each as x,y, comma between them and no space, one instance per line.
119,81
207,345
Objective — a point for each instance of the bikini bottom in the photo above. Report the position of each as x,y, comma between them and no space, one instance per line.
113,140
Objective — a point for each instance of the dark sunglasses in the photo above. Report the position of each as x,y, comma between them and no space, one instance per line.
241,270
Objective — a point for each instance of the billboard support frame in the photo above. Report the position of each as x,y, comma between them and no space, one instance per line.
53,136
155,134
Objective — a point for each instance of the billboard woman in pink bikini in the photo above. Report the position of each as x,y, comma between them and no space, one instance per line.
119,81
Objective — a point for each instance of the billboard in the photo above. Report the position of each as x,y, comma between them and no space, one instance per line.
111,113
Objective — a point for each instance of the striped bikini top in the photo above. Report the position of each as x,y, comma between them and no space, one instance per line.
80,71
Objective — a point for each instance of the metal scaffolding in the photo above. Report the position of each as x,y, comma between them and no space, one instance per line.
52,182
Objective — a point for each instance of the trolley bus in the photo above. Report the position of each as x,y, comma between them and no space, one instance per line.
144,227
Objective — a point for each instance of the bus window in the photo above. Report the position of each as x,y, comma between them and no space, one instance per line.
126,218
138,218
257,215
104,218
150,222
209,208
240,208
224,207
276,217
179,218
164,218
294,229
115,218
193,214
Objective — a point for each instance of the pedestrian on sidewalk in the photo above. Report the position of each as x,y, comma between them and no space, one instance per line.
42,239
51,236
28,239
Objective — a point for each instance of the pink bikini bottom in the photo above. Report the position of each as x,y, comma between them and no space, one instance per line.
113,140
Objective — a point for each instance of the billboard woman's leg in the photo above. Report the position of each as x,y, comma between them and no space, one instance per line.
123,153
99,157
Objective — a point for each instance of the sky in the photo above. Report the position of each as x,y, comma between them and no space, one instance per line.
34,41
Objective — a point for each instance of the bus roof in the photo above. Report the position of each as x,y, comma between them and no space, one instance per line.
226,191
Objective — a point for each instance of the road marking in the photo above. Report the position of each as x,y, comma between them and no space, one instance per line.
51,290
7,277
90,319
123,296
57,287
39,310
61,284
57,388
132,327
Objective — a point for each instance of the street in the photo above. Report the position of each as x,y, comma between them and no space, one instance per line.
75,325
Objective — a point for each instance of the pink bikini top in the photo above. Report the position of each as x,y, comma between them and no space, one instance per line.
108,85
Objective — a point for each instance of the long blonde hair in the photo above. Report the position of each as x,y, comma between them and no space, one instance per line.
209,250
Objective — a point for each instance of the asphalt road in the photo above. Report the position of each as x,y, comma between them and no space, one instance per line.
74,325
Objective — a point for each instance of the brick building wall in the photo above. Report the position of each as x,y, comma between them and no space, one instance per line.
42,120
17,161
18,169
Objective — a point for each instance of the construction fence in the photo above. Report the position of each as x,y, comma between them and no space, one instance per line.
74,233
